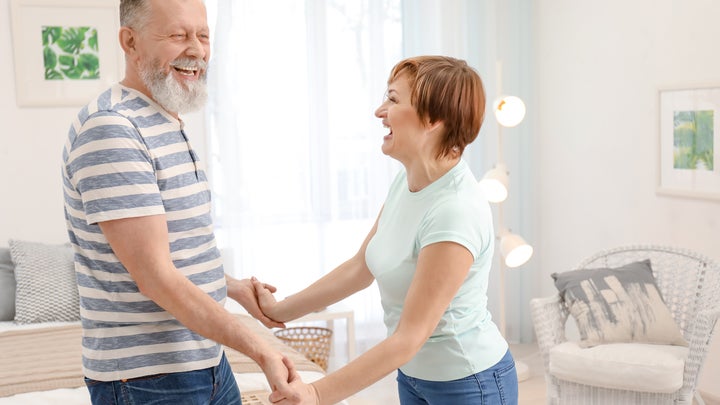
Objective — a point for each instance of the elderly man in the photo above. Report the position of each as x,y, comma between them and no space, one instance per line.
137,206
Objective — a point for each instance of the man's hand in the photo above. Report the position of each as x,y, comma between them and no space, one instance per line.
307,395
243,292
282,375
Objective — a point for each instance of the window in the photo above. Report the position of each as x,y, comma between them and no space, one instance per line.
297,173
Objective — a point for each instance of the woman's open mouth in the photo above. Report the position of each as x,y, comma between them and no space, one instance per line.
389,134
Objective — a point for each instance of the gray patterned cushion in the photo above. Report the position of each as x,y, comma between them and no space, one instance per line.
46,287
619,305
7,286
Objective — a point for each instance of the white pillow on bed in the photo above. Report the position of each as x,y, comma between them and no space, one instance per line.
46,287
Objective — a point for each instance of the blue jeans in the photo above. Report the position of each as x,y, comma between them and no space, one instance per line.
496,385
215,385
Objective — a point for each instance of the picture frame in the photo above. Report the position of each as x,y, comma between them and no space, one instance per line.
65,52
689,143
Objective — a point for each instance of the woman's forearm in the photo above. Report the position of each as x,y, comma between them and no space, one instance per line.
345,280
367,369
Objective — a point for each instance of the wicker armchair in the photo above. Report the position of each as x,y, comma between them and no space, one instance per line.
690,285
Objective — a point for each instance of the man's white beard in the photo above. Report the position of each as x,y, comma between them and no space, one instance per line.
172,95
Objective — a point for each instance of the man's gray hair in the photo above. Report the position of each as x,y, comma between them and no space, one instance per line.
134,13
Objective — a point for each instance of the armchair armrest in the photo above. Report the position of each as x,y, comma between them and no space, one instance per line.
698,339
549,316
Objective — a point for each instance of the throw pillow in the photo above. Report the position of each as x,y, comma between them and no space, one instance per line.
46,287
618,305
7,286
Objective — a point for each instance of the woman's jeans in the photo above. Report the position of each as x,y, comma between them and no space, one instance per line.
215,385
496,385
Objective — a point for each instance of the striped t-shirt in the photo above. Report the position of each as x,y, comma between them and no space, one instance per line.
126,157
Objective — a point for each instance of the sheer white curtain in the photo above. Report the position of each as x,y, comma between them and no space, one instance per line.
294,147
484,33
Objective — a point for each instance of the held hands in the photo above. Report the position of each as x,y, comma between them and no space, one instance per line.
305,394
279,370
296,392
308,395
244,292
281,375
265,299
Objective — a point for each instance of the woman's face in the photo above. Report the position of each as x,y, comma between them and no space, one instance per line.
405,138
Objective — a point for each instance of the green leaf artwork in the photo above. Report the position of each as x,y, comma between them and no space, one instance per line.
693,140
70,53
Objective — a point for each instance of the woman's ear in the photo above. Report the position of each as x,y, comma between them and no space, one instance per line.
433,126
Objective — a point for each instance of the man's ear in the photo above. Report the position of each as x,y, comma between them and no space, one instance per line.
127,40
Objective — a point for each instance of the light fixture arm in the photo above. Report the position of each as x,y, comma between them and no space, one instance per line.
509,111
498,78
514,251
500,155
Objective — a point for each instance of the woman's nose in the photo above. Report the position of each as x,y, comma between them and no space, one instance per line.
380,111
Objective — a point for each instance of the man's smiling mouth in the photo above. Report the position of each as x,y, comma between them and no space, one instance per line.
186,70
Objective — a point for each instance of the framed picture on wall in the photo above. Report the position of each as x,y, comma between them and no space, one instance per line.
65,52
689,142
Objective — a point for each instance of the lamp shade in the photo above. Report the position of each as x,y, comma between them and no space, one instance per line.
515,250
495,184
509,110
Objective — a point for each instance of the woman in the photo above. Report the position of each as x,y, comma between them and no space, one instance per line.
430,250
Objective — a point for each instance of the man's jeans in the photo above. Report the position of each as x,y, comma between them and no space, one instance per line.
215,385
497,385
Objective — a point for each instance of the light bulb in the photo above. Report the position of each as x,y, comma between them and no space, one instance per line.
509,111
515,250
495,184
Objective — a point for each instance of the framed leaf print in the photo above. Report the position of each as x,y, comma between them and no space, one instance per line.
65,52
689,142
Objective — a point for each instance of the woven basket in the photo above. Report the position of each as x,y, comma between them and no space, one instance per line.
311,341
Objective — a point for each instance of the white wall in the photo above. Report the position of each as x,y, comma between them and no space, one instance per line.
30,146
31,142
598,68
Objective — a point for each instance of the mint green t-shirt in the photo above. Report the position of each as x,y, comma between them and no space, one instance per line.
451,209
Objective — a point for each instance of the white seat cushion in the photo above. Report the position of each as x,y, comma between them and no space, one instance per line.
626,366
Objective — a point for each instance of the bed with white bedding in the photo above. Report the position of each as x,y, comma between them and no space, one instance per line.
41,363
40,333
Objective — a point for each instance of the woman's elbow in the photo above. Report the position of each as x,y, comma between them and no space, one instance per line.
408,344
